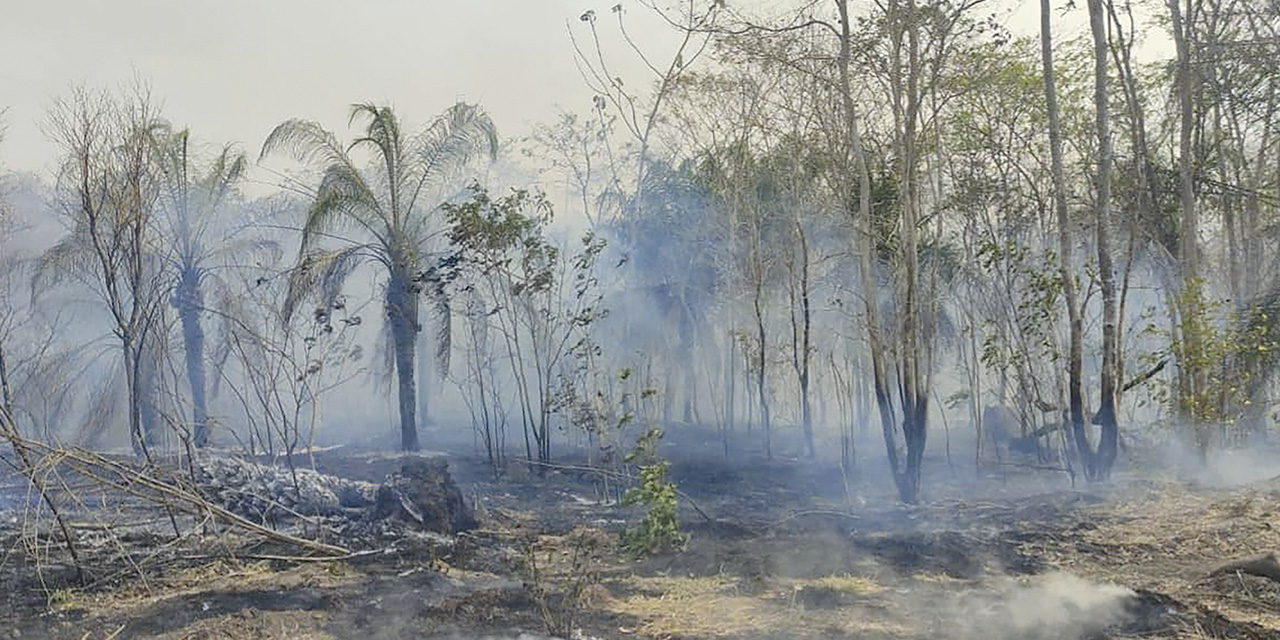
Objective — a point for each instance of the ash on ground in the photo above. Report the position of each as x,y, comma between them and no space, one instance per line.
419,498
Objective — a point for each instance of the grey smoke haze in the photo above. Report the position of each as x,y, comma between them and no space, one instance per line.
1058,606
233,69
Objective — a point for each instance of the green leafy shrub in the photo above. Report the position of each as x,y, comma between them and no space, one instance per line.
659,530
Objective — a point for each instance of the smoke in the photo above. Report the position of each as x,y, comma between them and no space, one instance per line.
1233,467
1052,606
1058,606
1169,450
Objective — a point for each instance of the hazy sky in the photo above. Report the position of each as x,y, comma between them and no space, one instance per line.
232,69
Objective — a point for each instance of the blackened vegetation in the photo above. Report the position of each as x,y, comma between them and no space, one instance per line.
1152,613
423,493
953,553
537,554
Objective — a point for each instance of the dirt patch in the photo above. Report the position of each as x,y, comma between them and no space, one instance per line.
952,553
781,555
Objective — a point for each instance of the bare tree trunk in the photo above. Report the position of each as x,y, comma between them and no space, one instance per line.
1106,417
730,380
6,392
762,370
193,347
866,247
801,339
133,394
402,313
1195,405
1075,349
916,309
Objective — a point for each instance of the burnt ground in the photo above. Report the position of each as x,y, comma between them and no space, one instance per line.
776,551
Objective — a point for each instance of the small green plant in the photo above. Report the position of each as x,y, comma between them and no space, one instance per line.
561,586
60,599
659,529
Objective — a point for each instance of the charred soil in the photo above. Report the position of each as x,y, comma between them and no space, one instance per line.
777,550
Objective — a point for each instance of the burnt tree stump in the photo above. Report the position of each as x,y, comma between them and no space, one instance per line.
423,494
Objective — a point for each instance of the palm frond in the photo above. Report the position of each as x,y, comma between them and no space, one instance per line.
245,251
343,201
382,130
67,258
225,171
460,135
435,288
444,332
104,408
320,275
385,353
306,141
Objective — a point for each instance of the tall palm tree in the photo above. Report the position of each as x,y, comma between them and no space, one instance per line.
194,245
383,213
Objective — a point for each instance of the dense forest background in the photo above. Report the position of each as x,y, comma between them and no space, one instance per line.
834,232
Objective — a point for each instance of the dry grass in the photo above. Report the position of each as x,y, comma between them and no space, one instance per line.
721,607
711,607
254,625
936,578
844,583
217,576
1172,535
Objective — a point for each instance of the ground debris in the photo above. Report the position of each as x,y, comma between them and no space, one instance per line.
1263,566
420,496
265,492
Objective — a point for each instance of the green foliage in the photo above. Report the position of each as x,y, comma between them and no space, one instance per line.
542,300
659,530
378,215
1035,284
1217,349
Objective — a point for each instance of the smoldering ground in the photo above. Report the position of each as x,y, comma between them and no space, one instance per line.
1053,606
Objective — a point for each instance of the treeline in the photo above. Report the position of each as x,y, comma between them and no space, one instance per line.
803,225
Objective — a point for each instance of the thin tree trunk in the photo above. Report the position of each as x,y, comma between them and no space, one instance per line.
132,393
805,356
1106,417
916,310
760,373
730,381
1075,349
6,392
866,246
1195,405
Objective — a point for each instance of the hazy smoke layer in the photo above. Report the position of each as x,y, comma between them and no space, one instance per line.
1056,606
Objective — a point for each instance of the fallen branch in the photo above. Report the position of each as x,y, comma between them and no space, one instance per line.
614,474
1263,566
276,558
1144,376
138,481
9,429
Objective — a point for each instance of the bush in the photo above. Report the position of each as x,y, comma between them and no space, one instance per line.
659,530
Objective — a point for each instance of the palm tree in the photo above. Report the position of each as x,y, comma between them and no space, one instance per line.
381,214
191,200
